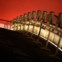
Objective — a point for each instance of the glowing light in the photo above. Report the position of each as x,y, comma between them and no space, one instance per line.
12,27
27,22
44,33
36,30
21,26
60,45
53,38
9,27
30,28
56,39
26,27
1,25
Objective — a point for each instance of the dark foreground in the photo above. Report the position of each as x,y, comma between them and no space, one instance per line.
21,47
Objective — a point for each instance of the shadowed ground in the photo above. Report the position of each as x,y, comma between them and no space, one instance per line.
20,46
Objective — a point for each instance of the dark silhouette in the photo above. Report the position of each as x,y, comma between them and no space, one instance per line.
18,46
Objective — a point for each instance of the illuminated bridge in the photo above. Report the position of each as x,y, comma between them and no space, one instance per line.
43,24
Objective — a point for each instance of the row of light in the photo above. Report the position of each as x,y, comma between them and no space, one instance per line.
54,38
26,22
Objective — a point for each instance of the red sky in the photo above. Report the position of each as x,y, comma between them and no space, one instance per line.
9,9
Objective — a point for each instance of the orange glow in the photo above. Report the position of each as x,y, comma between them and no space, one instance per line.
9,9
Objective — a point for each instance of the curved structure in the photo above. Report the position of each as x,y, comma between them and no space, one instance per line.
43,24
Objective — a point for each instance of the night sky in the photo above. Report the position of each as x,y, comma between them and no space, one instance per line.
9,9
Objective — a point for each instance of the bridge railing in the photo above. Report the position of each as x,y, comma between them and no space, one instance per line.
53,36
43,24
46,25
